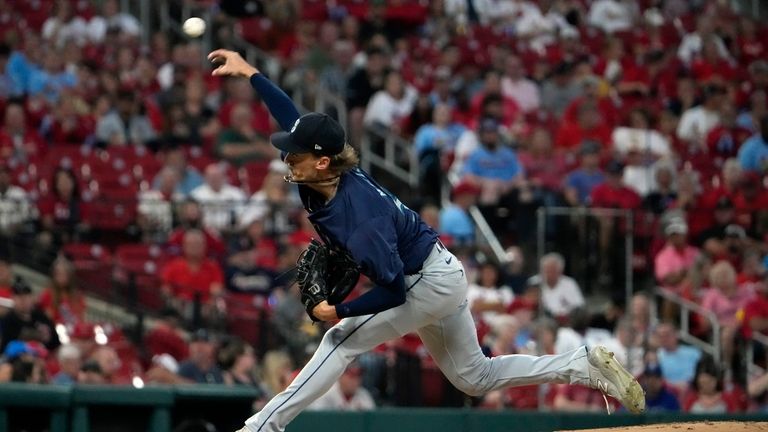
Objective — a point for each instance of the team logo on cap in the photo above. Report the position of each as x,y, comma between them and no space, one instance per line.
295,124
317,147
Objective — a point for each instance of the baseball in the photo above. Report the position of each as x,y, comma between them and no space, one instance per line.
194,27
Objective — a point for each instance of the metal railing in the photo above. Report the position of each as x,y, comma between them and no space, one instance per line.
687,308
624,215
754,370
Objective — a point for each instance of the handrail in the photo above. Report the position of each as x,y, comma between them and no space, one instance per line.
753,369
686,307
480,223
394,145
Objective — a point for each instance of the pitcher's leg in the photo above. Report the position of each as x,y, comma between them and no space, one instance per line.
452,341
338,348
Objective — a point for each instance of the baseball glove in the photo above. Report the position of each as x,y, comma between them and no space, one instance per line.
310,275
342,278
323,274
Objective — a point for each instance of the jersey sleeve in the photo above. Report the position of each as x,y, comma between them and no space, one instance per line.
374,248
280,104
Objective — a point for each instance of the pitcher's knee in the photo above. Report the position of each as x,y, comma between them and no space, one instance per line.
470,389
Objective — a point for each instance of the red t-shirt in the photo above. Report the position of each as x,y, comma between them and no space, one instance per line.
30,143
70,310
61,211
757,307
165,340
213,244
185,282
607,196
724,142
570,136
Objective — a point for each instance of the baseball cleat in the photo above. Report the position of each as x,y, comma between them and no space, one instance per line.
609,376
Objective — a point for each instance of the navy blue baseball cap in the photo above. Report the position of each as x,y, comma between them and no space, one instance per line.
312,133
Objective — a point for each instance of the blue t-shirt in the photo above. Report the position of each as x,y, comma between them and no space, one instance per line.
499,164
679,366
430,137
455,222
664,401
584,182
753,155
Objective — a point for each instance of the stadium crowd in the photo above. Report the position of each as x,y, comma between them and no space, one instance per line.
129,175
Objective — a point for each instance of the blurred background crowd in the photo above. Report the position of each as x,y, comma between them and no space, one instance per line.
147,235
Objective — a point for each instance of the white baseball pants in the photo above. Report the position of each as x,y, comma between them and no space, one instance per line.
436,308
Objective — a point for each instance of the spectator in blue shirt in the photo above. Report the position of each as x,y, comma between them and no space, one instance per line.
580,182
753,155
50,80
434,141
678,362
493,166
454,218
657,395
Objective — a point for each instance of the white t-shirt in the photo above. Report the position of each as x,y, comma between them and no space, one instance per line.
612,16
562,298
75,30
333,400
220,209
385,110
14,208
696,123
524,91
643,140
97,27
502,295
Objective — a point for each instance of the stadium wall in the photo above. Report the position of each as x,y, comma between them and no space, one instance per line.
163,409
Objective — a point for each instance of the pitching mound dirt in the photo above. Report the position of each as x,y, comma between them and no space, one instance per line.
697,426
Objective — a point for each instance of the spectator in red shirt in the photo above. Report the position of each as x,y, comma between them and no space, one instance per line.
612,193
588,125
192,275
191,218
165,337
68,124
726,138
6,281
63,214
607,109
710,65
751,203
17,141
755,317
544,169
707,396
63,301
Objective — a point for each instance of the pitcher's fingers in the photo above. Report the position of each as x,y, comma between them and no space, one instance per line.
217,53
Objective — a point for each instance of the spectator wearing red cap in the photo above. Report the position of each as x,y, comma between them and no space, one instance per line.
454,218
18,141
63,301
192,275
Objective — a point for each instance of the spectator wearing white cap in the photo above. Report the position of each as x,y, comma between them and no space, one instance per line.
674,261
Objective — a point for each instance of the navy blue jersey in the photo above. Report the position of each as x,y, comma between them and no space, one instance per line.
383,236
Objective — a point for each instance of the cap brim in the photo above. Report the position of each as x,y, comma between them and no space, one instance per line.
284,141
